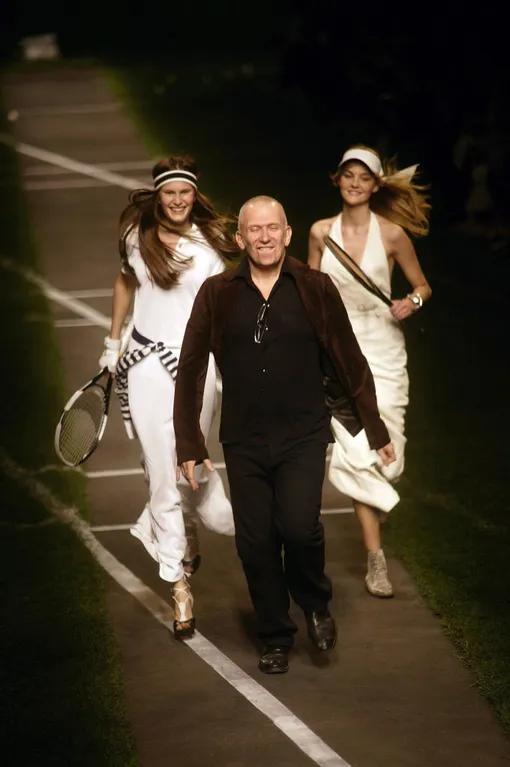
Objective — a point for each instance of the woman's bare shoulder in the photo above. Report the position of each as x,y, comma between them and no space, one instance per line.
391,233
389,229
320,228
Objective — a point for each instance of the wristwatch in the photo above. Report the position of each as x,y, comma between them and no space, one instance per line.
416,299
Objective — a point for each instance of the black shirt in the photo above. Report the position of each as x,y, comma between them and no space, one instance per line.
273,391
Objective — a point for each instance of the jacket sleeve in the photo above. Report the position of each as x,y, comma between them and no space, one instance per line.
353,368
190,381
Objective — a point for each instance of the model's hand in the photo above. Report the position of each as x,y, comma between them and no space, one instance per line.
111,354
402,309
188,471
387,454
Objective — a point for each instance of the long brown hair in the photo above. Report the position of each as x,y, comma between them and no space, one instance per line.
398,199
146,215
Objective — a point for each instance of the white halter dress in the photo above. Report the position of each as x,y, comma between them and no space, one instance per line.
355,469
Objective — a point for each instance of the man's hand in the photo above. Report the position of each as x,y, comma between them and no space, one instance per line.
188,471
387,454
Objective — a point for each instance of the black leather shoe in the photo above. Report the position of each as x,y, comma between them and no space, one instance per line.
321,629
274,660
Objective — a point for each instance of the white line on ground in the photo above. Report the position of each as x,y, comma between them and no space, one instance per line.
78,109
75,183
44,170
108,473
76,323
109,177
110,528
73,304
129,525
95,293
282,717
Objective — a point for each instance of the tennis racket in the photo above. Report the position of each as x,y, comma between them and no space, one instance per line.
83,420
355,270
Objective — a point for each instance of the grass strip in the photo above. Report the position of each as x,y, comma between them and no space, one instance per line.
61,684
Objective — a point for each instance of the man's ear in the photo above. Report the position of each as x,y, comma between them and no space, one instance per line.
240,240
288,236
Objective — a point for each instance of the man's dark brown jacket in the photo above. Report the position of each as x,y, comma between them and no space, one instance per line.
349,382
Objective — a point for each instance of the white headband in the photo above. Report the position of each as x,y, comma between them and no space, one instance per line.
175,175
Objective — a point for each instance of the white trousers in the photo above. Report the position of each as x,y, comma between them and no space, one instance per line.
173,506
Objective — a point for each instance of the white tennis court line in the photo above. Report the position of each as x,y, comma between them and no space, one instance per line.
86,312
44,170
296,730
75,305
75,183
268,705
111,528
109,473
94,293
82,168
78,109
128,525
76,323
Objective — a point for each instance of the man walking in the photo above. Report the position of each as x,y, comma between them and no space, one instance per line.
278,331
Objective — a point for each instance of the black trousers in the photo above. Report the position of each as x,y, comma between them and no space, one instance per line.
276,500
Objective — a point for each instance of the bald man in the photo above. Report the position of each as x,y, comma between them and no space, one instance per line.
284,347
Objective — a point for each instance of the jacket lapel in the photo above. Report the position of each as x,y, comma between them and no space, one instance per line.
225,302
310,298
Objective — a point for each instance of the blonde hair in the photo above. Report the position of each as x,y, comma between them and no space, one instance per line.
398,199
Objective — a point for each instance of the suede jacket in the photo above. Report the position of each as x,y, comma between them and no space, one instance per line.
348,382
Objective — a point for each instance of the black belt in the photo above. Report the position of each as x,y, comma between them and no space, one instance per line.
136,336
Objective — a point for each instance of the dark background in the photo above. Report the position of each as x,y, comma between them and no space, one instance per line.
428,81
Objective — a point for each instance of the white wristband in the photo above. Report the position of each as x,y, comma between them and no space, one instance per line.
112,344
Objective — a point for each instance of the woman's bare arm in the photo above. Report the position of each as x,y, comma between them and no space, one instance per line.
316,242
123,292
401,249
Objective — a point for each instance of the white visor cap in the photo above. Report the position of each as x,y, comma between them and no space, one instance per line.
368,158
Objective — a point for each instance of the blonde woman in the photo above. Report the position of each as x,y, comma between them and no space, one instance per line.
381,207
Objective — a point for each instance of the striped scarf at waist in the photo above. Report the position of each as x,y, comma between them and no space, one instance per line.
167,359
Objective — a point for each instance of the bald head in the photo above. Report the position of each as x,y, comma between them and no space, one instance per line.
255,203
263,233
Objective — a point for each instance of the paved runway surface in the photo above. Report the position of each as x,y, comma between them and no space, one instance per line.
392,694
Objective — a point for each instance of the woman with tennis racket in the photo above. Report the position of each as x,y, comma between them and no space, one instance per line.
171,240
380,208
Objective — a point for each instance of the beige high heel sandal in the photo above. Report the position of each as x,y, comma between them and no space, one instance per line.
184,623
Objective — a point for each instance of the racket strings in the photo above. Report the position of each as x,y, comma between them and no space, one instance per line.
80,425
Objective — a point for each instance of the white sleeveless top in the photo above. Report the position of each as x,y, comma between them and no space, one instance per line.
374,263
162,315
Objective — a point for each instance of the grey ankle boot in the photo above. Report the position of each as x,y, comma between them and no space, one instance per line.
377,576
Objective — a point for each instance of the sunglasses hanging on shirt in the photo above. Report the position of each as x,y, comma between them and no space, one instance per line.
261,327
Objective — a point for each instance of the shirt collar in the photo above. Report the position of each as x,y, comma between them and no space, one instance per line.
244,269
